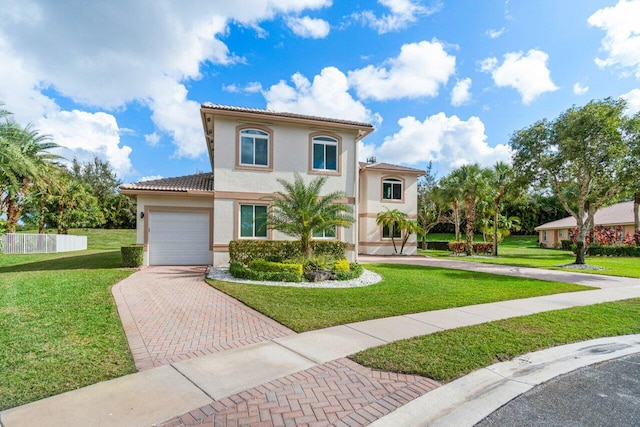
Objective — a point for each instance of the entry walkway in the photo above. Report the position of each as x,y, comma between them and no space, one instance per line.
292,379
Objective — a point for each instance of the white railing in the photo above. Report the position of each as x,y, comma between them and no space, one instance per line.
41,243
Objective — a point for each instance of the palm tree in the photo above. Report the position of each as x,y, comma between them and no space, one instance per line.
449,190
502,181
472,181
396,221
300,210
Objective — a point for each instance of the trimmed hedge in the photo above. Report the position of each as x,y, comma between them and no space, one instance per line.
241,272
438,246
618,250
483,248
457,247
132,255
275,267
245,251
565,245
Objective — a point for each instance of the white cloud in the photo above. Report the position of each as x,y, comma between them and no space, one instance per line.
152,139
578,89
460,93
418,71
150,178
109,54
450,141
327,96
528,74
251,87
633,101
622,40
494,34
403,13
85,135
309,27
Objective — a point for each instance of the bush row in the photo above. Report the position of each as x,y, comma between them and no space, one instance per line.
241,272
438,246
478,247
284,272
245,251
132,255
617,250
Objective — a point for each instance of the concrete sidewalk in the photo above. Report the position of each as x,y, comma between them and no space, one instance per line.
158,394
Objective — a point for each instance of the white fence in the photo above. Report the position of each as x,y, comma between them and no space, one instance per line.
41,243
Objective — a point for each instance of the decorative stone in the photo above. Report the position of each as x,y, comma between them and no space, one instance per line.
320,275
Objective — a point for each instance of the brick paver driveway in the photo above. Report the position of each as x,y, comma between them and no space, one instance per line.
170,314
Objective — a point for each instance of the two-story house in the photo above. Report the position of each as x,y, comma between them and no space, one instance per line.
191,219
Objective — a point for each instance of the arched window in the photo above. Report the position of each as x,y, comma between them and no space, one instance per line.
254,147
324,153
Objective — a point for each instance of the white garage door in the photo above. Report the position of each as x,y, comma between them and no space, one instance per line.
178,238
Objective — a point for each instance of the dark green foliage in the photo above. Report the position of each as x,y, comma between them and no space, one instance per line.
239,271
565,245
245,251
277,267
438,246
132,255
616,250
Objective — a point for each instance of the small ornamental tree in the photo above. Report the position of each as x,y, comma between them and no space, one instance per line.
300,210
396,220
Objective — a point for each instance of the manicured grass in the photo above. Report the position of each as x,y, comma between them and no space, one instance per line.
59,329
405,289
447,355
523,251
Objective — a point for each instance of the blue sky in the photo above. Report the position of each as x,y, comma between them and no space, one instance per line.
446,81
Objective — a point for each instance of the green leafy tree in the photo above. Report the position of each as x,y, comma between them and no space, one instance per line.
301,210
432,208
450,190
502,183
587,156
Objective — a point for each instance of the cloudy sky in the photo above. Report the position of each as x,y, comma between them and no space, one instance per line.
442,81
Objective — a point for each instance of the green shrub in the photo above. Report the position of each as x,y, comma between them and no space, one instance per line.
245,251
132,256
483,248
438,246
355,270
565,245
457,247
616,250
275,267
237,270
340,266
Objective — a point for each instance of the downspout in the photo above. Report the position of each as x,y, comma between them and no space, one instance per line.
356,193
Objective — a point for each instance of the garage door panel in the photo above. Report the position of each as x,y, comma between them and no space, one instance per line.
178,238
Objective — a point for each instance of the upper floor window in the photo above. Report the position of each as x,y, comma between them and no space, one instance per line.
391,189
254,147
324,153
253,221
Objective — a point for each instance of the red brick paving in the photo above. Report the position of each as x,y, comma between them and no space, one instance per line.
338,393
170,314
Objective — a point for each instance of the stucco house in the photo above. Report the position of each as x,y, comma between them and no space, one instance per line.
620,214
192,219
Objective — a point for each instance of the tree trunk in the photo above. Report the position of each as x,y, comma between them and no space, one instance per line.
581,247
470,214
495,228
456,220
41,216
636,209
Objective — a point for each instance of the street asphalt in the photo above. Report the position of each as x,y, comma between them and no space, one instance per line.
604,394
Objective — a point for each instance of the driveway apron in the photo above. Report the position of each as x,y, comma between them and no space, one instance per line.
170,314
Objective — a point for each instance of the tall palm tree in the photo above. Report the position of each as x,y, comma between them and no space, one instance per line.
472,181
449,190
502,181
301,210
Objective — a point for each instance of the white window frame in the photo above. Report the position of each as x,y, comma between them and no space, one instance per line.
324,234
259,135
393,182
253,231
325,141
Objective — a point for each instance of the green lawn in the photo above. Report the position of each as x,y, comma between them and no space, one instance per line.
405,289
447,355
523,251
59,329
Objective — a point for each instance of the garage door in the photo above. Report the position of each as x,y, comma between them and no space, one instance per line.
178,238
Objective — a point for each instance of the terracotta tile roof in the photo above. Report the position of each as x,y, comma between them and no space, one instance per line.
390,167
211,106
198,182
618,214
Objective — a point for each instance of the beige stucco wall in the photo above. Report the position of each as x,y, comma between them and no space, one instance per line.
371,203
145,203
291,151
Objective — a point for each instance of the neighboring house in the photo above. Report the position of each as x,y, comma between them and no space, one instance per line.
192,219
620,214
